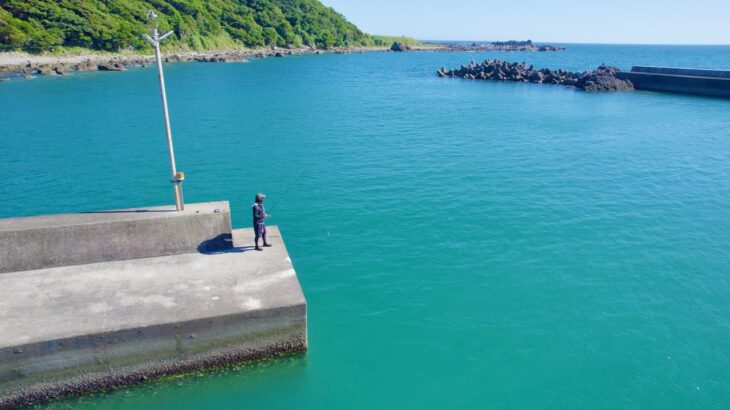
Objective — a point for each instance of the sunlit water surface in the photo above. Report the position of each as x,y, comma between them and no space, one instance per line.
460,243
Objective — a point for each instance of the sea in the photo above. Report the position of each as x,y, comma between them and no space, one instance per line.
461,244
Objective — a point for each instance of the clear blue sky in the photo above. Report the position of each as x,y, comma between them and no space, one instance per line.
614,21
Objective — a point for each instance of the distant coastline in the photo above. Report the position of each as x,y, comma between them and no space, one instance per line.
511,45
24,65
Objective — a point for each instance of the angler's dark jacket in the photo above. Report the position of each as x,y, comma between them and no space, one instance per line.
258,213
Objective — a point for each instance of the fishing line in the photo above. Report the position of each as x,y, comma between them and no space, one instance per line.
306,170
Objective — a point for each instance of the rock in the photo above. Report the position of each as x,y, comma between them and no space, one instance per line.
603,79
45,70
278,54
399,47
549,48
551,79
535,77
136,62
86,65
61,70
234,59
110,67
211,59
30,70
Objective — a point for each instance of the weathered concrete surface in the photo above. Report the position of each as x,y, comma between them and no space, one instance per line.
60,240
715,83
71,330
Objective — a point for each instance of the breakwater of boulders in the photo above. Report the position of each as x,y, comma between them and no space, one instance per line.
602,79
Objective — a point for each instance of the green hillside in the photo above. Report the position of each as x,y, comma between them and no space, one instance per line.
114,25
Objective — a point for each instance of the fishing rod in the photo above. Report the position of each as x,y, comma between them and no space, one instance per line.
306,170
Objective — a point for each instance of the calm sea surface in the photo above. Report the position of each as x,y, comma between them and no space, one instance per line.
461,244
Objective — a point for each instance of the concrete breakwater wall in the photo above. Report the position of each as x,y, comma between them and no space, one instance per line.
79,328
715,83
73,239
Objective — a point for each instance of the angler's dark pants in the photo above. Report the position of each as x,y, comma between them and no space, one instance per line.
259,229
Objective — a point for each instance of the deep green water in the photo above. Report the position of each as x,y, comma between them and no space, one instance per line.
461,244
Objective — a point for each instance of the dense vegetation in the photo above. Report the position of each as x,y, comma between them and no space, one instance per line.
113,25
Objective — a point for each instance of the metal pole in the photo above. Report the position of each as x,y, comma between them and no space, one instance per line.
176,179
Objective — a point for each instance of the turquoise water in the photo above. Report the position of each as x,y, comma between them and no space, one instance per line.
460,244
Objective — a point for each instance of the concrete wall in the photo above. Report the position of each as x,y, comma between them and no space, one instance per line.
74,239
130,355
683,81
693,72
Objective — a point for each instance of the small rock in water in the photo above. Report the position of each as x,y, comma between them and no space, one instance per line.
399,47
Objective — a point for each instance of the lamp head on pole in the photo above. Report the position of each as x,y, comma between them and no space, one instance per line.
152,17
154,23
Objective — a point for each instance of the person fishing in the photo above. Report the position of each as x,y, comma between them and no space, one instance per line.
259,218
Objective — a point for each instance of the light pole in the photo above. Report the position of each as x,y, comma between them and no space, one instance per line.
177,178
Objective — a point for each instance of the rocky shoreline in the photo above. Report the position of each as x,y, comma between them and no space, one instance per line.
30,66
602,79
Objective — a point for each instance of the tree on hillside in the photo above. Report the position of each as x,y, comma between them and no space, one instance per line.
113,25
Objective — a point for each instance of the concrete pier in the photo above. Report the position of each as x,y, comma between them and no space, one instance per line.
80,328
715,83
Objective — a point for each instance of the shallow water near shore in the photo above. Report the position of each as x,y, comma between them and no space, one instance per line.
460,243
